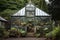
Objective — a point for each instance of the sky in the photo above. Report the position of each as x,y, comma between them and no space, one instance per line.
47,1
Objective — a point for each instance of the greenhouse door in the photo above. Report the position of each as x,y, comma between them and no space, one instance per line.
30,25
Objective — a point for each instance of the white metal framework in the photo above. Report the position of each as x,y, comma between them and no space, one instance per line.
31,16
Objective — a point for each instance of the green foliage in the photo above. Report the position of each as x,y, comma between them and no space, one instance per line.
41,4
6,34
37,35
57,34
22,32
1,31
53,33
7,13
13,28
13,32
17,32
8,7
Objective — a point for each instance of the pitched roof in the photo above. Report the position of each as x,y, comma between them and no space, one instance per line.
38,12
2,19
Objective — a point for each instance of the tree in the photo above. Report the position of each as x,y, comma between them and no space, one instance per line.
41,4
8,7
54,9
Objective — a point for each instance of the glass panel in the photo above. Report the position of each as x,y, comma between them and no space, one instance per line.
30,14
43,25
30,19
17,21
30,8
47,28
42,20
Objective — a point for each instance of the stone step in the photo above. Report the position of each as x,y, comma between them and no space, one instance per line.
30,34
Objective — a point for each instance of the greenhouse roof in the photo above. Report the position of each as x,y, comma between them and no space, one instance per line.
38,12
2,19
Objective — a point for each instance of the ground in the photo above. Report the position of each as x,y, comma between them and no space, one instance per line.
25,38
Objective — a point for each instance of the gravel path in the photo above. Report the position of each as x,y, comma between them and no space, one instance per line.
25,39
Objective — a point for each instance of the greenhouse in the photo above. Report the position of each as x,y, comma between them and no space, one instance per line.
31,18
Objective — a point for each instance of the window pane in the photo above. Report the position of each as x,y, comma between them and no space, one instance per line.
30,14
30,8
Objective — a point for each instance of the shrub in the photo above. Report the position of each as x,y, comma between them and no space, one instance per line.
13,28
37,34
13,32
53,33
6,34
1,31
23,32
57,34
